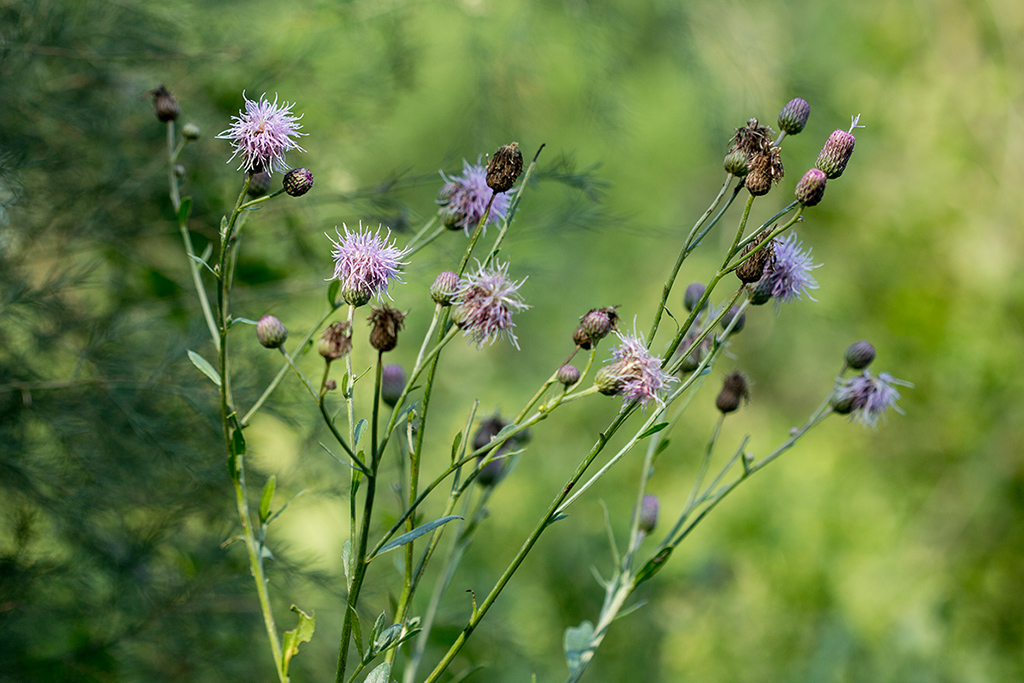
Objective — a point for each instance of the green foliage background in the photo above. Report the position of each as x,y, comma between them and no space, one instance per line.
889,556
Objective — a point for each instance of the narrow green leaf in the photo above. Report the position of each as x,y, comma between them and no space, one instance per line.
357,632
204,366
346,560
202,262
268,497
416,533
184,210
455,446
301,634
332,293
382,674
378,626
653,429
387,638
206,254
285,506
246,321
652,567
576,642
360,430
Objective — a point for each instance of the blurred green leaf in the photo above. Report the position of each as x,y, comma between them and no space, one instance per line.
300,634
204,366
416,533
576,642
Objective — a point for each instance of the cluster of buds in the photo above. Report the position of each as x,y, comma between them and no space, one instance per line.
753,144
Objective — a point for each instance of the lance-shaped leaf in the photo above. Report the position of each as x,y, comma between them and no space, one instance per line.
204,366
411,536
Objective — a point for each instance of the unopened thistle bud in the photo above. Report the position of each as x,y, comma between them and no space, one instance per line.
392,383
259,184
581,338
355,295
491,472
794,115
860,355
752,269
271,332
609,380
811,187
164,104
648,513
568,375
330,385
741,320
737,163
836,153
694,293
734,389
444,288
762,292
599,322
336,341
386,323
298,182
504,168
190,132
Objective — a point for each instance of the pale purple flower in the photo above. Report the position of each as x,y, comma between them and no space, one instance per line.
866,397
464,198
788,276
636,374
365,261
485,302
262,134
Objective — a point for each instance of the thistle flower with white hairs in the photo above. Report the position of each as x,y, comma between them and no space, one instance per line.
365,262
464,198
262,134
485,302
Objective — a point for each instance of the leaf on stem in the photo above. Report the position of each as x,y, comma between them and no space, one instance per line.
386,639
576,642
382,674
267,498
357,631
202,261
204,366
415,533
332,293
184,210
455,446
346,561
301,634
359,431
652,567
653,429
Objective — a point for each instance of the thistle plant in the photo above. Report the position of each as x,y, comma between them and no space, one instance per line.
655,377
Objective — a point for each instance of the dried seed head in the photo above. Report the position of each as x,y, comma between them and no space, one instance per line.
734,389
164,104
568,375
444,288
752,269
811,188
794,115
386,322
392,383
298,182
860,355
504,168
836,154
271,332
336,341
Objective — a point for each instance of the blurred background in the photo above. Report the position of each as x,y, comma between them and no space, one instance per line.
895,555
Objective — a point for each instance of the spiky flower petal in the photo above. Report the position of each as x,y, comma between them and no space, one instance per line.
866,397
634,373
788,277
262,134
485,302
365,261
463,199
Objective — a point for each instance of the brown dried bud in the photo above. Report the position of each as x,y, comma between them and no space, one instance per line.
734,389
164,104
336,341
504,168
582,338
386,323
752,269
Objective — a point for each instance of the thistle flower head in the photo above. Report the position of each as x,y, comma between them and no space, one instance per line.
788,277
485,302
262,134
866,397
634,373
463,199
365,261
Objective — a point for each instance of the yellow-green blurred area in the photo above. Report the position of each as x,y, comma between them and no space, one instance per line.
888,555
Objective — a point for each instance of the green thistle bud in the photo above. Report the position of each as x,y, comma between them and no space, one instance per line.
259,184
741,321
355,296
444,288
737,163
190,132
794,115
860,355
811,188
761,293
648,514
568,375
271,332
609,379
694,293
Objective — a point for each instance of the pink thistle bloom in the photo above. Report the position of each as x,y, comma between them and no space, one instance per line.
485,302
636,373
464,199
365,261
788,277
866,397
262,134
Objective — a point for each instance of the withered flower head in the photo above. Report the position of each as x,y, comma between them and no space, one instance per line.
765,162
734,389
386,322
336,341
164,104
752,269
504,168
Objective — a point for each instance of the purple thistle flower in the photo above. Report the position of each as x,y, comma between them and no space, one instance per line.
485,302
635,373
866,398
464,199
788,277
366,262
262,134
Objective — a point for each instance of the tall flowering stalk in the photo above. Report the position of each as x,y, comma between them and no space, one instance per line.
649,374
